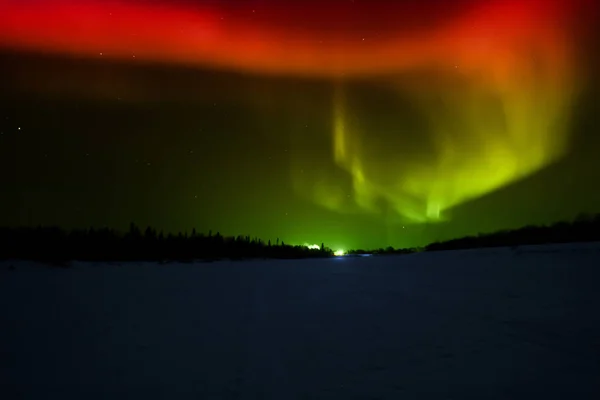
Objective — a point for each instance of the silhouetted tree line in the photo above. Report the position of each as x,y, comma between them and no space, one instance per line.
585,228
55,245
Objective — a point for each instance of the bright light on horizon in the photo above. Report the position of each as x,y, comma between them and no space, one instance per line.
337,253
312,246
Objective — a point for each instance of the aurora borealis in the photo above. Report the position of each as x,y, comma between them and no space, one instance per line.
355,123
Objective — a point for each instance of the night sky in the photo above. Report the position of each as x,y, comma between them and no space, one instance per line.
354,123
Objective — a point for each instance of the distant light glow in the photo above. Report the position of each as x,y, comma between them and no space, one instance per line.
312,246
339,253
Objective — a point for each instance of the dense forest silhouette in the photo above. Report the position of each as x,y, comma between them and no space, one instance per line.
54,245
585,228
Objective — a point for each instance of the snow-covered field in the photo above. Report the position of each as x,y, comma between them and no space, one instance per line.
476,324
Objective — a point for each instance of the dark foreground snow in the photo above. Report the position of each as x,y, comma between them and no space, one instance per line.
483,324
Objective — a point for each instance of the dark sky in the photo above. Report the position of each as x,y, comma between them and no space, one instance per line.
357,124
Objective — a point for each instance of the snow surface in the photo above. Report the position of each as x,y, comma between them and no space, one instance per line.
477,324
